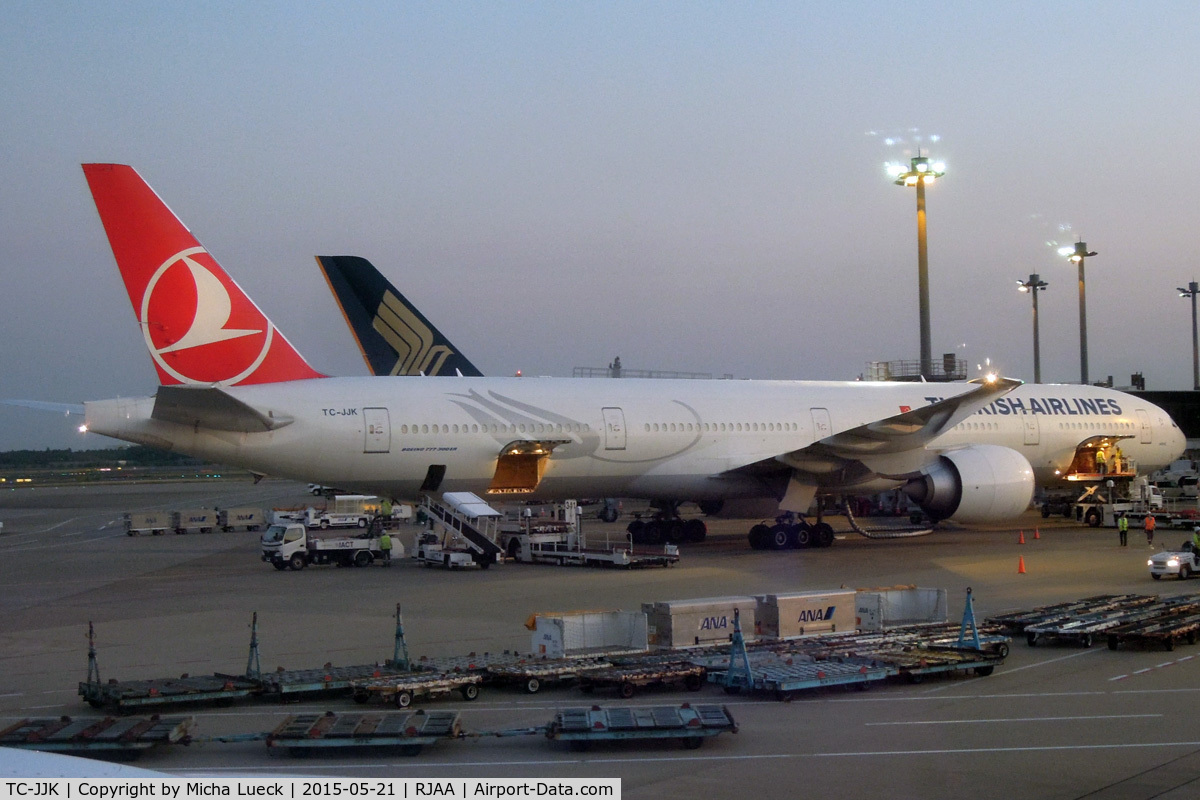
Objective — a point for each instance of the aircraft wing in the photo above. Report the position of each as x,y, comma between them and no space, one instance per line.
212,408
892,447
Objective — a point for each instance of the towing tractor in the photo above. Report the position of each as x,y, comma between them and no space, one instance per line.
1182,563
293,545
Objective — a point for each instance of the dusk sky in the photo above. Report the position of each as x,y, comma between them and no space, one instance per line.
694,186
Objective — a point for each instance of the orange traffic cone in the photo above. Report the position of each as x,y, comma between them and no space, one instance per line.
1037,534
1021,540
1021,565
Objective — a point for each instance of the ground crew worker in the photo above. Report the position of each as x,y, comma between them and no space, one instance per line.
1123,529
1101,466
1117,456
1196,540
1149,526
385,547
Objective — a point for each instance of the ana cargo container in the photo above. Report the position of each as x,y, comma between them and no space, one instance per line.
202,520
684,623
155,523
785,616
249,518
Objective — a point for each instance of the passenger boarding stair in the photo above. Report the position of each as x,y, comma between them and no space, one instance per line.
468,517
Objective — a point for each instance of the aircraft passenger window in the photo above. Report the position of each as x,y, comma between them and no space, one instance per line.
456,429
689,427
404,429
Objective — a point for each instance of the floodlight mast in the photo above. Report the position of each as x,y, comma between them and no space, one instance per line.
1034,285
919,173
1079,254
1192,289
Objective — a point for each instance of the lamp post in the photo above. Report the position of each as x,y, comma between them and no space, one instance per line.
1077,254
1190,291
1033,286
919,173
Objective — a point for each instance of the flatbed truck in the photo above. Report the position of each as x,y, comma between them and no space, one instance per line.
292,545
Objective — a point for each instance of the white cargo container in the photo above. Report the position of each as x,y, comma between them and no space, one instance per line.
879,609
587,632
785,616
708,620
153,522
249,518
199,519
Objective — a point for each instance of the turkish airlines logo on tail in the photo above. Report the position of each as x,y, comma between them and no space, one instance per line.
199,326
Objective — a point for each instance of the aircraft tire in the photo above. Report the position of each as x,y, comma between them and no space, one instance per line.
694,530
758,536
802,536
779,538
822,534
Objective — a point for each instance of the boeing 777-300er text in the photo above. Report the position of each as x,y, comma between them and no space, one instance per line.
234,390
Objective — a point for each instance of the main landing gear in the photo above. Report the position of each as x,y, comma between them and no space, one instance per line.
666,526
789,532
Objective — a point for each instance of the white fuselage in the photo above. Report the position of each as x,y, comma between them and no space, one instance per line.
618,438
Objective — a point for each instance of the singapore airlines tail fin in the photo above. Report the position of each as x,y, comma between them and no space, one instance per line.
394,337
199,326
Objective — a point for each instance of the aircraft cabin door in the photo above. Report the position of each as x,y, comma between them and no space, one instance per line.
1147,430
1032,431
614,429
822,426
377,430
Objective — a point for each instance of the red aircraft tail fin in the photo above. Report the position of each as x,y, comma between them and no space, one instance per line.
199,326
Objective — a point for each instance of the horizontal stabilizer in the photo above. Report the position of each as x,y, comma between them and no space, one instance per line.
212,408
39,405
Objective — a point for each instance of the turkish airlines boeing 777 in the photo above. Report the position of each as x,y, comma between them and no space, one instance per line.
234,390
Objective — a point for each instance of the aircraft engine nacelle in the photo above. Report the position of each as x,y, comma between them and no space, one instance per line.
982,483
